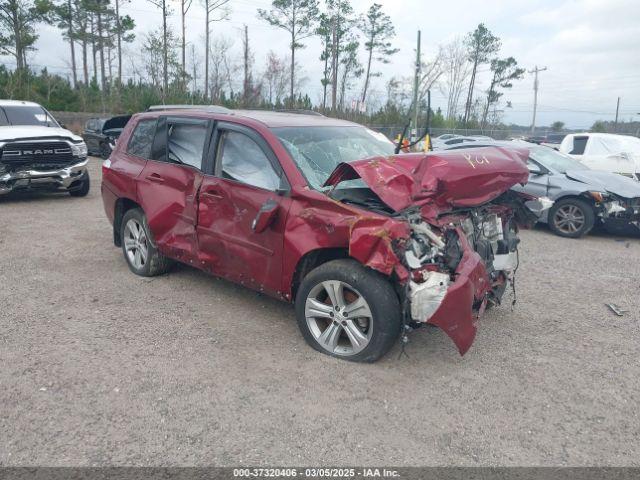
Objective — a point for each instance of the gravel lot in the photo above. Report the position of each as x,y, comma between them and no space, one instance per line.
100,367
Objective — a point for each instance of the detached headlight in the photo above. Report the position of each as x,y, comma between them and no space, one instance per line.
79,150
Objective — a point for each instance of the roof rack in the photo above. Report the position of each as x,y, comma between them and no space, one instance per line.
206,108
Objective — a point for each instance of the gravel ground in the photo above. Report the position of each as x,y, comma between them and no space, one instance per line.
100,367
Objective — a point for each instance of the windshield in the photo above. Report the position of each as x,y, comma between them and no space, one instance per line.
318,150
28,115
554,160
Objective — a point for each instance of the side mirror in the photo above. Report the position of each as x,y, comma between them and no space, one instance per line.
265,217
535,169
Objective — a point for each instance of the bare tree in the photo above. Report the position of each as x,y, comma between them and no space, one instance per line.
214,11
162,5
431,72
124,26
247,65
455,74
185,5
340,13
276,76
219,67
325,32
297,17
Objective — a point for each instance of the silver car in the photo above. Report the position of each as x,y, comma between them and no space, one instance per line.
582,197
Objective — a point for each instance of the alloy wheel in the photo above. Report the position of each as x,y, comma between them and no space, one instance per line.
135,243
569,219
339,318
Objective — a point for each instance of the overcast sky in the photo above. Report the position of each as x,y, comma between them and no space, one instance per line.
590,47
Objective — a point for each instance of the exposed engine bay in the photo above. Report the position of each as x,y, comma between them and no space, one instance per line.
434,254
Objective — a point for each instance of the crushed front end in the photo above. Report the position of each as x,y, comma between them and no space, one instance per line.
449,238
458,266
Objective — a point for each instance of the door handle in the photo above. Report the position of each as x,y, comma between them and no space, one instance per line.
215,194
155,178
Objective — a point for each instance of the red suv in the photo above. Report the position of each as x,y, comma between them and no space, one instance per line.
318,211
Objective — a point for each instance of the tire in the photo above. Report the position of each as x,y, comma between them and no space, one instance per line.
105,151
135,237
578,216
85,185
362,290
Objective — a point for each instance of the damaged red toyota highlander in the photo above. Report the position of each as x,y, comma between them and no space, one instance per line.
369,245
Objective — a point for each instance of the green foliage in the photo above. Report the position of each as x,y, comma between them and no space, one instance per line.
557,126
378,30
599,126
18,19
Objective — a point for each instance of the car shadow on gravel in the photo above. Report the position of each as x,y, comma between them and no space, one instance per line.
598,232
277,319
34,196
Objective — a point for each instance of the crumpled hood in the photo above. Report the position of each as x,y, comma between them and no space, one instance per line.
29,132
601,181
459,178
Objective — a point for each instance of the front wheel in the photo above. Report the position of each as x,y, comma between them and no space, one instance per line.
105,151
345,310
83,189
571,218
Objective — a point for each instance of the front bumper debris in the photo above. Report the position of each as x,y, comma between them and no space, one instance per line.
62,178
452,309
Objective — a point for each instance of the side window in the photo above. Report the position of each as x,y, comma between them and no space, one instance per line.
89,125
243,160
185,142
142,138
579,145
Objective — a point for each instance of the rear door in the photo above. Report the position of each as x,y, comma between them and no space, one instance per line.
246,177
168,184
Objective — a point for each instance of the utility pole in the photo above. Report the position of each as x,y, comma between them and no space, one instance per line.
416,84
535,96
615,125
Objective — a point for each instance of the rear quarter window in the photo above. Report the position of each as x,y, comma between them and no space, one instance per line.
142,139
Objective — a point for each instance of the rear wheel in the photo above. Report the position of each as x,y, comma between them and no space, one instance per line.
571,218
346,310
138,248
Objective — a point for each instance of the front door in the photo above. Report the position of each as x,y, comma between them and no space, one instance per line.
246,178
168,184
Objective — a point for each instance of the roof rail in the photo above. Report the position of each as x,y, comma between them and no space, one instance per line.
300,111
297,111
206,108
